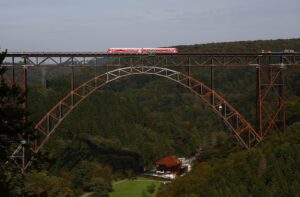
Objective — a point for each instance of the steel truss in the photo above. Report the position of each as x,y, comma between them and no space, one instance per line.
270,88
179,59
242,130
270,99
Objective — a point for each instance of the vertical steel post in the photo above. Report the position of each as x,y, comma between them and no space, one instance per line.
13,71
270,82
281,96
212,81
60,111
23,141
25,87
23,159
258,100
72,86
95,75
188,70
13,75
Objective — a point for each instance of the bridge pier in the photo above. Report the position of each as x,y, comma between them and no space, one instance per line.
72,85
282,99
25,76
258,100
270,103
212,81
188,73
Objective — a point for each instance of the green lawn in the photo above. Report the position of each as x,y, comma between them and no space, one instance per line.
133,188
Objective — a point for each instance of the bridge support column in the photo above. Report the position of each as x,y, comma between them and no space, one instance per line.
271,109
72,85
281,98
13,75
188,71
25,74
212,81
25,134
258,100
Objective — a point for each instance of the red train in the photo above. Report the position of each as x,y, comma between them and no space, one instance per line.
142,50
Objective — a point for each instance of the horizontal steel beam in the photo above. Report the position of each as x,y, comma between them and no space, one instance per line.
159,59
104,54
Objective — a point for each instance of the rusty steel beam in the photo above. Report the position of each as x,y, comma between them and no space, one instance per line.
159,59
270,86
241,129
97,54
258,101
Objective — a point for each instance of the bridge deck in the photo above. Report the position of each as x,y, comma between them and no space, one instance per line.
105,54
157,59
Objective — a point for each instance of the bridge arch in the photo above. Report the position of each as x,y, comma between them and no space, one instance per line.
242,129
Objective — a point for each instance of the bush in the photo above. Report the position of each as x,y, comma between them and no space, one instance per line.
151,188
100,187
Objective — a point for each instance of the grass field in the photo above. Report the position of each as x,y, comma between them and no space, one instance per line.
134,188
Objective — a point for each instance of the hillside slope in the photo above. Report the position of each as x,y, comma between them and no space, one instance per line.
134,121
271,169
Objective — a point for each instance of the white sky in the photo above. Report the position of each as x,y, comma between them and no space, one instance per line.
94,25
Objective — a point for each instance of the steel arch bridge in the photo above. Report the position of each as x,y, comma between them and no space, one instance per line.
269,78
242,129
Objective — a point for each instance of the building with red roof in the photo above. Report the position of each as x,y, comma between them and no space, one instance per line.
169,163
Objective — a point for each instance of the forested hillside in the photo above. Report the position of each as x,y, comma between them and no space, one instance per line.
271,169
244,46
125,127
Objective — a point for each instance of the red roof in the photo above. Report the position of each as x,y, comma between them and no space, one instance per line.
169,161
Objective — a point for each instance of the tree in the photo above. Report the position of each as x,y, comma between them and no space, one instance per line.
100,187
92,177
41,184
12,113
12,125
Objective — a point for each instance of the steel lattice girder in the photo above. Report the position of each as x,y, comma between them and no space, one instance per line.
242,129
177,59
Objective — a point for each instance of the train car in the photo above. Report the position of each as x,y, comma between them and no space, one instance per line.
124,50
142,50
159,50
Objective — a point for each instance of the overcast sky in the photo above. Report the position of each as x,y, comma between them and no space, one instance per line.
94,25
